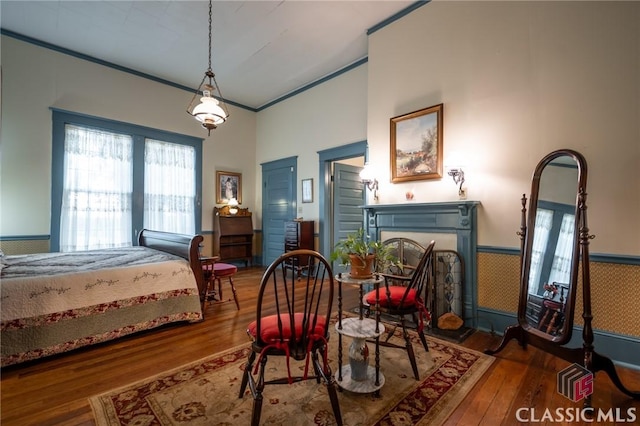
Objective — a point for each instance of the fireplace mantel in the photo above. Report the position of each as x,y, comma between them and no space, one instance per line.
454,218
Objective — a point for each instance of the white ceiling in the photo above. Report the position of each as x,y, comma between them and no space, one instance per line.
262,50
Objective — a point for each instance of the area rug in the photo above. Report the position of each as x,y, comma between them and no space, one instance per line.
205,392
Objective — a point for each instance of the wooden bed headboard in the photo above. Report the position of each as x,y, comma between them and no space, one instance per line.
185,246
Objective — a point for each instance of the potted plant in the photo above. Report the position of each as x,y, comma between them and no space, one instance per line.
363,255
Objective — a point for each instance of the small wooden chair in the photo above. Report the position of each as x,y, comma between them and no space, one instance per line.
404,296
292,320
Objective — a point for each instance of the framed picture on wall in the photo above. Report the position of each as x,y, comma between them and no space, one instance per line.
416,145
228,186
307,190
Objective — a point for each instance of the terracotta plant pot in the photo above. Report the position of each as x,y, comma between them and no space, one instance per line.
360,270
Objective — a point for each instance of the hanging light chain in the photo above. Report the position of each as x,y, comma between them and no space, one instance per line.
210,20
209,111
212,76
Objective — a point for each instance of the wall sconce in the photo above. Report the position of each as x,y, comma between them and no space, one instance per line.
366,176
233,206
458,178
456,161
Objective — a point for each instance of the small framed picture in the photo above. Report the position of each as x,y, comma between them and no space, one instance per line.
228,186
307,190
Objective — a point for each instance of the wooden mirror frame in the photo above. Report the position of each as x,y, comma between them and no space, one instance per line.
527,235
584,356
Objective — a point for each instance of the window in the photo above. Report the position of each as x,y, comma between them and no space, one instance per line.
112,179
97,189
553,244
169,187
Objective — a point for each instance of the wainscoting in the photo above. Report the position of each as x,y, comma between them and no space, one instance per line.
24,245
614,284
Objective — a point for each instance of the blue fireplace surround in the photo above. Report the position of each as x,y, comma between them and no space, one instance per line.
458,217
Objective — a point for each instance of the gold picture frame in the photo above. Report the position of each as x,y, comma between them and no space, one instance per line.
228,185
416,145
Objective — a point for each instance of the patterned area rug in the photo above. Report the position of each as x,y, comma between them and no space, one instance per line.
205,392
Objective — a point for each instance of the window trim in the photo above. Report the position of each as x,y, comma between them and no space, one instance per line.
61,118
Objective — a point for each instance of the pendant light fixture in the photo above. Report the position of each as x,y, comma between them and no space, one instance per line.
209,111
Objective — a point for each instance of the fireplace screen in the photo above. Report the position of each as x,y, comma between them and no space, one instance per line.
446,304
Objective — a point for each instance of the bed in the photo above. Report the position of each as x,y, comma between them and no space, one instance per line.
56,302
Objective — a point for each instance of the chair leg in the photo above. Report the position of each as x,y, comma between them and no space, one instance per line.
391,332
257,409
543,319
552,321
333,397
218,280
332,388
423,340
209,293
412,359
247,372
316,366
257,397
219,287
235,295
409,347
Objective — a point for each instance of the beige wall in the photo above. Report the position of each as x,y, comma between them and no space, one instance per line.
518,80
329,115
35,79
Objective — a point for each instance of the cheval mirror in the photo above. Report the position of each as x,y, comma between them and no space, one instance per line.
554,242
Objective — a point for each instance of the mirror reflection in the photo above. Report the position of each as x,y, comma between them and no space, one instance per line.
553,246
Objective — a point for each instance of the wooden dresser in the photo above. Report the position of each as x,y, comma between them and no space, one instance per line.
232,235
298,234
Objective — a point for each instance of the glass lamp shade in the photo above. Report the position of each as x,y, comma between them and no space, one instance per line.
233,206
208,111
367,174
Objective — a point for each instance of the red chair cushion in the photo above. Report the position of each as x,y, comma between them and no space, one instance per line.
224,269
396,292
269,327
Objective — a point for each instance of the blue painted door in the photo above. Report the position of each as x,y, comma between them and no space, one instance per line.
348,197
278,205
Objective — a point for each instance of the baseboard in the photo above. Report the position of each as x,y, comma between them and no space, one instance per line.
623,350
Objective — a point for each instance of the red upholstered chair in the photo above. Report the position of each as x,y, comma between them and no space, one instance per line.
214,272
292,321
404,296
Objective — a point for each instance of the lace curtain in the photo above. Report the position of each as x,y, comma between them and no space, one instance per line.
561,267
97,190
544,221
169,187
563,252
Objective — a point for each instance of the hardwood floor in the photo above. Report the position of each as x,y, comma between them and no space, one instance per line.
54,391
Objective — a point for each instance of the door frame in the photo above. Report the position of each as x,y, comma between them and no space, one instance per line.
326,158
